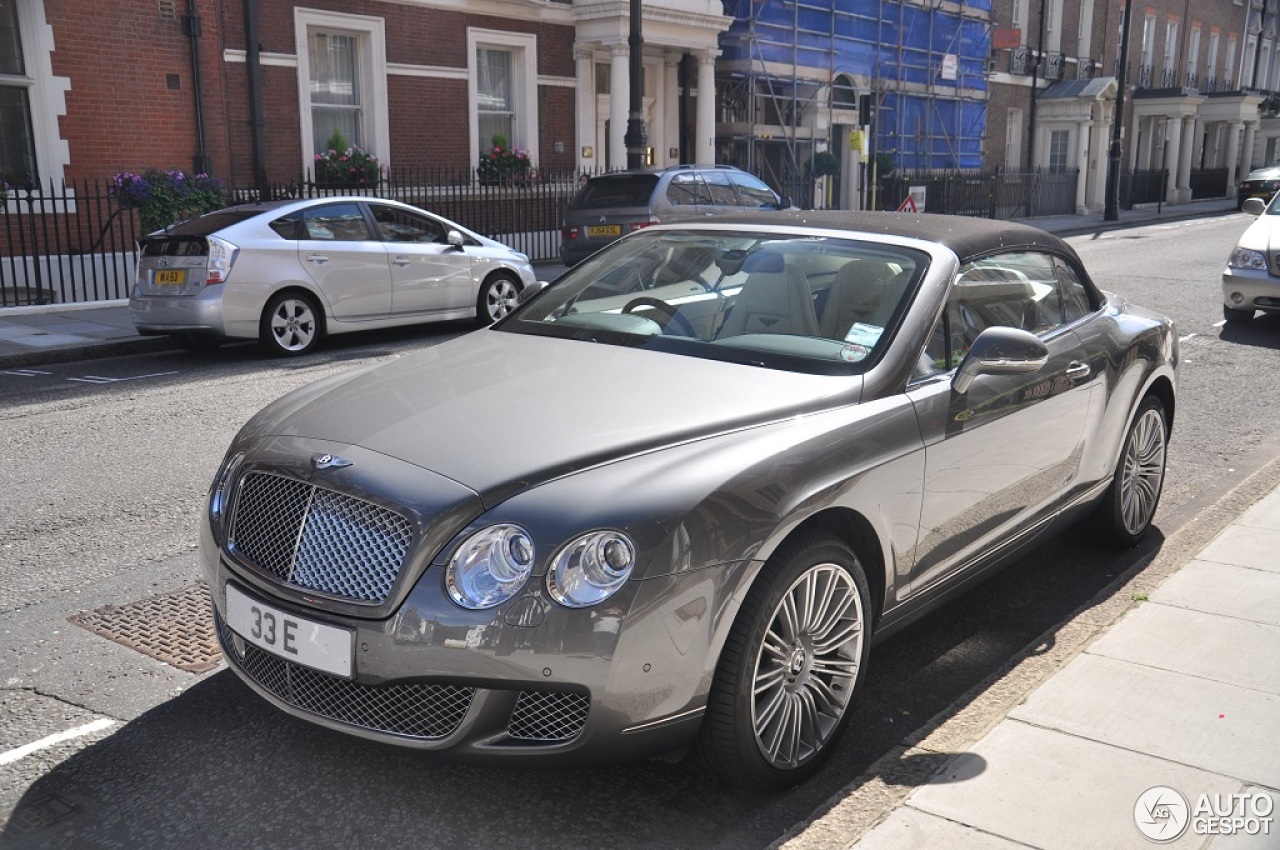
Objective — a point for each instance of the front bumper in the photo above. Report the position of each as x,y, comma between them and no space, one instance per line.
1245,289
528,679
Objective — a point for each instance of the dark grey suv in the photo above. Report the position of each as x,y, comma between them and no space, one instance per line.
613,205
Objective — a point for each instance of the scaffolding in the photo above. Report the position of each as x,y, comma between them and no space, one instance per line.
792,70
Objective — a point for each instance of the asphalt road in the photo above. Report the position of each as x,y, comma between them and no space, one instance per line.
103,475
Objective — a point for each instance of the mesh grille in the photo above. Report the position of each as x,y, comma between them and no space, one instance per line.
318,539
413,710
548,716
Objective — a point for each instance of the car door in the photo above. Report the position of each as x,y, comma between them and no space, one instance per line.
754,193
1001,458
346,262
428,275
721,198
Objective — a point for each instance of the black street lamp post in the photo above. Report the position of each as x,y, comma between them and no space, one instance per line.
1111,212
636,139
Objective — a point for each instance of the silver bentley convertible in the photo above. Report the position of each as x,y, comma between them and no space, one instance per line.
673,499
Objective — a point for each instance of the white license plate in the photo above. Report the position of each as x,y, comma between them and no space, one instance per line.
289,636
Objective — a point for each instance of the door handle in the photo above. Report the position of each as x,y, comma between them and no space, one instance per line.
318,259
1078,372
402,261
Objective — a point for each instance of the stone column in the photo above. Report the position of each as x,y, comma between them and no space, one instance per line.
1246,155
704,145
619,101
1233,152
1101,157
1169,159
1186,128
670,110
586,106
1082,166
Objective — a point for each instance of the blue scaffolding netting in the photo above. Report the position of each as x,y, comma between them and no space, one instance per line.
924,118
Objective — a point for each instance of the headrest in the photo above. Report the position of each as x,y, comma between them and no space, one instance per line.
764,262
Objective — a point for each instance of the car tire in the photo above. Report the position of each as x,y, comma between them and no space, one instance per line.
781,696
292,324
1125,513
497,298
1235,316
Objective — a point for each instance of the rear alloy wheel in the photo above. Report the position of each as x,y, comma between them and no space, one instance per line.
291,325
1235,316
1126,512
497,298
789,668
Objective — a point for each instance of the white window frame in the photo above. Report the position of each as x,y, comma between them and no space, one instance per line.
1211,61
1084,32
371,54
1019,15
524,89
46,94
1053,25
1193,53
1148,41
1013,133
1228,75
1170,45
1058,141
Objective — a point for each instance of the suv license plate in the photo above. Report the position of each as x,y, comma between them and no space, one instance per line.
172,277
289,636
604,230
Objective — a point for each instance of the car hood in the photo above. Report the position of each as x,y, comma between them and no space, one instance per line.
1262,235
500,412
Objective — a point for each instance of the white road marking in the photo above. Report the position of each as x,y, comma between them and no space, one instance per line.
24,373
1219,324
44,743
98,379
1187,337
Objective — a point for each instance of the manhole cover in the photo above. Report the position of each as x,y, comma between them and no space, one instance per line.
176,628
41,812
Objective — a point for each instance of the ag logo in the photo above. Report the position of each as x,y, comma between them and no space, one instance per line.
1161,814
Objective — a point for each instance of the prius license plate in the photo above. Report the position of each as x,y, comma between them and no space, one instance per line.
289,636
171,277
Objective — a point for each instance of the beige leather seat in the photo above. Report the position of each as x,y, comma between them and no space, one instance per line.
774,299
859,293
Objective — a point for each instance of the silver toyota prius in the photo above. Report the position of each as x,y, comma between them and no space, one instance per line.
287,273
752,449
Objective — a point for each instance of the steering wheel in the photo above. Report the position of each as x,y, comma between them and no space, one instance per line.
658,304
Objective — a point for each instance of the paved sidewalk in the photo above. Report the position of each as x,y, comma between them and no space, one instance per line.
39,335
1161,719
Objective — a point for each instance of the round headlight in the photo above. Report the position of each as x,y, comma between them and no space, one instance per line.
490,567
220,493
591,568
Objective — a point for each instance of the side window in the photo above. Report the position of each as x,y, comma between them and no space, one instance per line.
335,223
1014,290
289,226
397,225
753,191
720,189
687,190
1075,297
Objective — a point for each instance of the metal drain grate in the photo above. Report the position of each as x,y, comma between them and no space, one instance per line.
172,627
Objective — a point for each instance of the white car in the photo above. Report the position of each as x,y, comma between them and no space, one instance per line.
1251,280
288,273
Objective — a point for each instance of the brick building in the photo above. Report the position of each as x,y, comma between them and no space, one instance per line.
88,90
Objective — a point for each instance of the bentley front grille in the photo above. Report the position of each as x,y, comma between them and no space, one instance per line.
413,710
548,716
318,539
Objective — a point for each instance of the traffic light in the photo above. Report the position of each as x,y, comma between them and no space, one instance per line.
866,109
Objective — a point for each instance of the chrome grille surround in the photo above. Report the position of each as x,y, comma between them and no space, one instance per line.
548,716
415,710
319,539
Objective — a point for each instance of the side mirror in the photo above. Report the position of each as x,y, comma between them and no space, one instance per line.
455,240
530,291
1254,206
1000,351
784,202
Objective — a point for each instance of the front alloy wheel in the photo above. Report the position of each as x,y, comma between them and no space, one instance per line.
497,299
789,670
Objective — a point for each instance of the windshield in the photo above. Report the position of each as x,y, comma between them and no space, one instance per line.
803,303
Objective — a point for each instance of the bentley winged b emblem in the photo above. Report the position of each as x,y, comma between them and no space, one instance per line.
327,461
